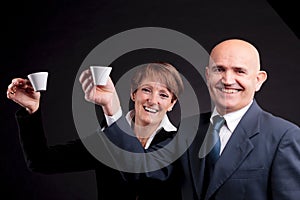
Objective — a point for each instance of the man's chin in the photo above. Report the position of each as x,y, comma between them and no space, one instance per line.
224,108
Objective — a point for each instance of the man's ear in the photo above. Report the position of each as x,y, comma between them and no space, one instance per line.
206,73
261,78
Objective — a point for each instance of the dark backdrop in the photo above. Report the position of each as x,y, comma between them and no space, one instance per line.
57,35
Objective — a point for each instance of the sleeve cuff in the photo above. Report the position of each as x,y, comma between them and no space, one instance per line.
112,119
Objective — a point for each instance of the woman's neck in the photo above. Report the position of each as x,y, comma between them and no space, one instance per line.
144,132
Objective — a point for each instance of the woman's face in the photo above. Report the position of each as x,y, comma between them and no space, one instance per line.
151,102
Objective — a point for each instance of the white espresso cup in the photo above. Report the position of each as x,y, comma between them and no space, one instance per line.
38,81
100,74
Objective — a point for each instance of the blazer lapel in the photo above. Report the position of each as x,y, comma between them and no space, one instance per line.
236,150
196,164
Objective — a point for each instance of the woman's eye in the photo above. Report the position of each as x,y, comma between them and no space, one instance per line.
163,95
146,90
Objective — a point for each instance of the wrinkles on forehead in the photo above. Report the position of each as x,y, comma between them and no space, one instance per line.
235,53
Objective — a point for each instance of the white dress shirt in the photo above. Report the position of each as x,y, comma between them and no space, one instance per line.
232,120
165,124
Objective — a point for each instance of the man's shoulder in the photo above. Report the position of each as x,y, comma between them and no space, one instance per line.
268,119
277,123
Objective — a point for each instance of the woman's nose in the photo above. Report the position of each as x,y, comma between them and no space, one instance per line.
153,99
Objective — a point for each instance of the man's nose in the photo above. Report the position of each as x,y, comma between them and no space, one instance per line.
228,78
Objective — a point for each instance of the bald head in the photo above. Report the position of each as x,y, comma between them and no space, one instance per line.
237,50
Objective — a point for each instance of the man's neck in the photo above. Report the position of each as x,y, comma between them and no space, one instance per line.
224,111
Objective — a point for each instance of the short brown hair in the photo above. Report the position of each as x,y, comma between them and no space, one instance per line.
161,72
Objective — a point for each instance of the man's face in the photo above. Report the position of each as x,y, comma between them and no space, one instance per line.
233,76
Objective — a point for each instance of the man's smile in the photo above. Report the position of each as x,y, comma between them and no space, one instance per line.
230,90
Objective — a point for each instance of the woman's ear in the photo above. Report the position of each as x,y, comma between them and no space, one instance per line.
172,105
132,96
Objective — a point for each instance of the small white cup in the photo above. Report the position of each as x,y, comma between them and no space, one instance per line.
38,81
100,74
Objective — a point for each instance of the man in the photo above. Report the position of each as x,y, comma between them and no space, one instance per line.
259,156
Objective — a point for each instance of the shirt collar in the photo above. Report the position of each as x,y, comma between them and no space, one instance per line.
165,123
233,118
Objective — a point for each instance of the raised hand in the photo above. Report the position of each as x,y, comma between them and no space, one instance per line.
21,91
103,95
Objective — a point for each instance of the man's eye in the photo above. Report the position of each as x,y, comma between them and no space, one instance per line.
240,71
218,69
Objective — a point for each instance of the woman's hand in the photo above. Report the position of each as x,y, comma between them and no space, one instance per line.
103,95
21,91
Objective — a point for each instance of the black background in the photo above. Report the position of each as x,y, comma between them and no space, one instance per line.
57,35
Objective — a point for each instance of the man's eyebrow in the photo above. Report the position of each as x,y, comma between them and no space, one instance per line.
240,68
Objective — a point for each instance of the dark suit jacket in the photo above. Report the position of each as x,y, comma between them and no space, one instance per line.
73,157
260,161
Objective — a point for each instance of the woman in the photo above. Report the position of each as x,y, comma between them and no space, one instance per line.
154,90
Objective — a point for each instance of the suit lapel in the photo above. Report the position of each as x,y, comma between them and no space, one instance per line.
236,150
196,164
230,160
